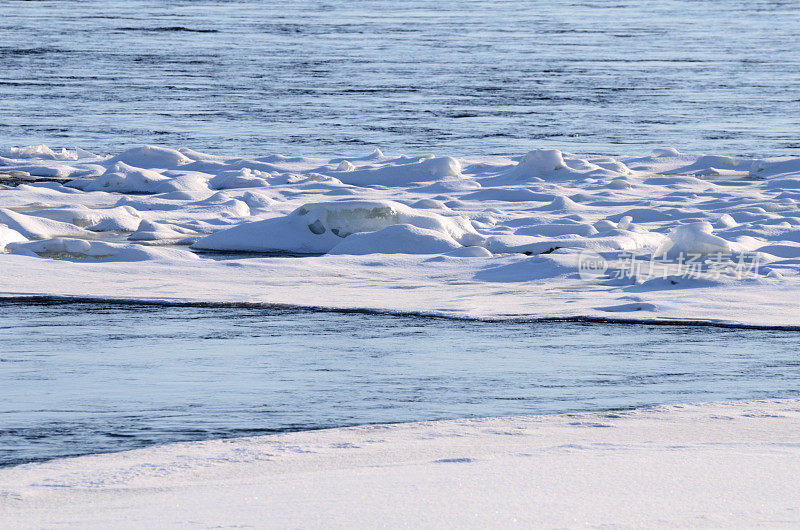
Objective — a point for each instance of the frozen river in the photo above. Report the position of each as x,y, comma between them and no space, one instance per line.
337,78
85,378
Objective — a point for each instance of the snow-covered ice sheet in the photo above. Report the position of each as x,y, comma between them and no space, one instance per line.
730,464
665,236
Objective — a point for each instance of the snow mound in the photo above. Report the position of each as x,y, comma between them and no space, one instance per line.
661,152
401,172
150,157
123,178
38,228
770,167
7,235
558,229
41,152
693,238
712,165
241,178
319,227
149,231
397,239
469,252
82,250
552,164
123,218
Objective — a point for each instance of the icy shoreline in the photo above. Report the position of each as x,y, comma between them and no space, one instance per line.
728,464
58,300
548,235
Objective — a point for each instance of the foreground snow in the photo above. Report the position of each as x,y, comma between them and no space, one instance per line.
711,465
675,236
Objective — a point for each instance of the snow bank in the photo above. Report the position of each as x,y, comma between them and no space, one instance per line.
729,464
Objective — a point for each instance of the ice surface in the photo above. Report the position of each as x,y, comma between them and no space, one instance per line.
732,464
408,230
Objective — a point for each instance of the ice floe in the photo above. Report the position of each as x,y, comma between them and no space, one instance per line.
382,219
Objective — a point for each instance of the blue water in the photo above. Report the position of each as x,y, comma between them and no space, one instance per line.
86,378
460,78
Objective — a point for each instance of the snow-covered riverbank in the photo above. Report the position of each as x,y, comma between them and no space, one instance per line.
711,465
660,237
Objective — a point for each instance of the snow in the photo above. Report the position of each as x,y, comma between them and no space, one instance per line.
150,231
730,464
429,234
398,239
7,235
151,157
35,227
81,249
693,238
339,226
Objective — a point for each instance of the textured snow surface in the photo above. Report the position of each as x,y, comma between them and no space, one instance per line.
500,237
732,464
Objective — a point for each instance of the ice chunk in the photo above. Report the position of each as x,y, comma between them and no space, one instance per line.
344,165
694,238
625,223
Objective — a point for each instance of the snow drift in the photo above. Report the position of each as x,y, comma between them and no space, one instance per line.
321,227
